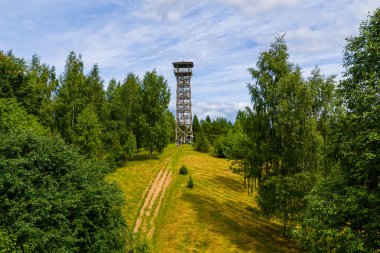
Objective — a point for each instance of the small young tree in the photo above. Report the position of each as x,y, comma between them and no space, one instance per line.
183,170
190,184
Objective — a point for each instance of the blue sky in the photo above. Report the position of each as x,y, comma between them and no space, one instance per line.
222,37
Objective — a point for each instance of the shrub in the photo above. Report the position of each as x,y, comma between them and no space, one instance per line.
183,170
54,200
190,184
202,144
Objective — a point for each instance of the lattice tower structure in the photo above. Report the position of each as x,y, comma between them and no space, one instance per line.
184,119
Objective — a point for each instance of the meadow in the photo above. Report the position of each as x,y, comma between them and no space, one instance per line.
217,215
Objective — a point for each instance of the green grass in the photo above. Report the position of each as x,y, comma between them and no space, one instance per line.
215,216
134,179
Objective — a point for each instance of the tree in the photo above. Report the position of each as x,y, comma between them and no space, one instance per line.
283,152
71,98
54,200
123,110
156,97
131,99
129,147
343,209
196,125
202,144
80,106
360,93
171,126
93,90
32,84
14,80
51,198
88,132
44,83
218,127
14,119
232,144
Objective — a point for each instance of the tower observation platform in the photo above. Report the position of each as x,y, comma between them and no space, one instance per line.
184,119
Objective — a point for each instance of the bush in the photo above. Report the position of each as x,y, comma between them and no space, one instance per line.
54,200
183,170
14,118
202,144
190,184
220,146
8,243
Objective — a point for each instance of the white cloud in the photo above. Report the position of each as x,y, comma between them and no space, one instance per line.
259,6
222,37
218,109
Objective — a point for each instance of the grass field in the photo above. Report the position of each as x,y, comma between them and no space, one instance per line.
216,215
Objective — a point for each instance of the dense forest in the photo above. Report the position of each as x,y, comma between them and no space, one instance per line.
309,146
59,137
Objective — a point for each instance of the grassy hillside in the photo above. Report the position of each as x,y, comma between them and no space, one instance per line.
216,215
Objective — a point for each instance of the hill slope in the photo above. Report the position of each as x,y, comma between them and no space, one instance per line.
215,216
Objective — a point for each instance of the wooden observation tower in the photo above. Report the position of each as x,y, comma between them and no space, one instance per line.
184,118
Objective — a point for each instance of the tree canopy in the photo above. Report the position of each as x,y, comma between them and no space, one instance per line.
343,210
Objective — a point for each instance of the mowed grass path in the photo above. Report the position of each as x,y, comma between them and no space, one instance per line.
214,216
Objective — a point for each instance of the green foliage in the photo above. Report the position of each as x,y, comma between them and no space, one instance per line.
156,97
209,135
88,130
283,196
282,141
14,80
8,243
123,107
231,145
196,125
190,183
235,142
14,119
111,124
360,146
334,211
202,144
220,144
343,210
53,200
171,126
44,84
129,147
183,170
32,85
71,99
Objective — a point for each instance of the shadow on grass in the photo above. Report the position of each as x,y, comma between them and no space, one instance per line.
144,157
247,230
230,183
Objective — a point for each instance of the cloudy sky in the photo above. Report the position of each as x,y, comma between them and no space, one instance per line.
222,37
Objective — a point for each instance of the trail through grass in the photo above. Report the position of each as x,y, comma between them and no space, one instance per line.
216,215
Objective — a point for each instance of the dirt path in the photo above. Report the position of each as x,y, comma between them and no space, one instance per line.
152,203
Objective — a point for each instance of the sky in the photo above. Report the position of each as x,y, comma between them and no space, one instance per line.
222,37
